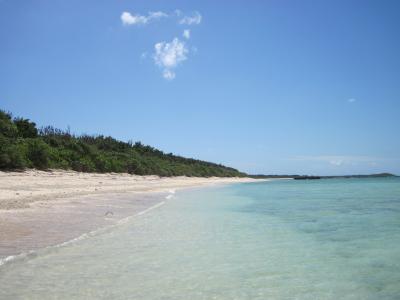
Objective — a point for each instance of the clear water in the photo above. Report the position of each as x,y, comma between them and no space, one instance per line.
326,239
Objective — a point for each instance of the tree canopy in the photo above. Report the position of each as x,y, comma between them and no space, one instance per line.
23,145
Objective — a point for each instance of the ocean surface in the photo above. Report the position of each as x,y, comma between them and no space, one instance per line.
286,239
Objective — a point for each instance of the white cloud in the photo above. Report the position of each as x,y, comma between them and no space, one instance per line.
195,19
169,55
339,160
168,74
131,19
336,162
128,18
186,34
351,100
157,15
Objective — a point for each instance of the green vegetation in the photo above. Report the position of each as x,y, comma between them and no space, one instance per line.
22,145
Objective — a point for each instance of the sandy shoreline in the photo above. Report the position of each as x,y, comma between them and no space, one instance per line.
40,209
20,189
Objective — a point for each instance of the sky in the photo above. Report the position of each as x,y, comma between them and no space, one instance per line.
273,87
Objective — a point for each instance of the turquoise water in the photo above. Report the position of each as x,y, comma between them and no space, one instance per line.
322,239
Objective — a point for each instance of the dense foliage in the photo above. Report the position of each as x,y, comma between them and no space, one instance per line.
22,145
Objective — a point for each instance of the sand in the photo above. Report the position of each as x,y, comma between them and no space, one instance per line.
20,189
40,209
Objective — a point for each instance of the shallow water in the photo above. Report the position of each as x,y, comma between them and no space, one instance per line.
323,239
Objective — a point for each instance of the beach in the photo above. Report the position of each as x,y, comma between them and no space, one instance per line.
46,208
281,239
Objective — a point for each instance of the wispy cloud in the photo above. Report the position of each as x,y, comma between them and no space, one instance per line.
340,160
128,18
169,55
336,162
157,15
351,100
143,55
186,34
168,74
193,19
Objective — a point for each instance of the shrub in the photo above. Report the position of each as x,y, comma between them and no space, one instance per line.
132,165
7,127
25,128
38,153
83,165
11,155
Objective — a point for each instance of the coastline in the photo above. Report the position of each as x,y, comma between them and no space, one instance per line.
41,209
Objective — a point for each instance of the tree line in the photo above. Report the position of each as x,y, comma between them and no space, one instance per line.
23,145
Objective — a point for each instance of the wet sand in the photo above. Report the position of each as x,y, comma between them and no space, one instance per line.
48,224
40,209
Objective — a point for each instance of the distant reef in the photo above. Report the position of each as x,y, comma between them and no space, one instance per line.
363,176
311,177
306,177
23,145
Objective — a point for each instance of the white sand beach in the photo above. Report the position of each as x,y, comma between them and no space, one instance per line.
39,209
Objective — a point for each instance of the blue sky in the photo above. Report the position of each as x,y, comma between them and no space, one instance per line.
310,87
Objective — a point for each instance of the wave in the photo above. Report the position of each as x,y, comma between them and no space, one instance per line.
32,253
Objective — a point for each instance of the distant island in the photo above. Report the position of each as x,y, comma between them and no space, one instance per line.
22,145
311,177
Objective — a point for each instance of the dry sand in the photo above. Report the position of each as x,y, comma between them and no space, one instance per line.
19,189
39,209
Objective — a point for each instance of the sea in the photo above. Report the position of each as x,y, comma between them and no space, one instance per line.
278,239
